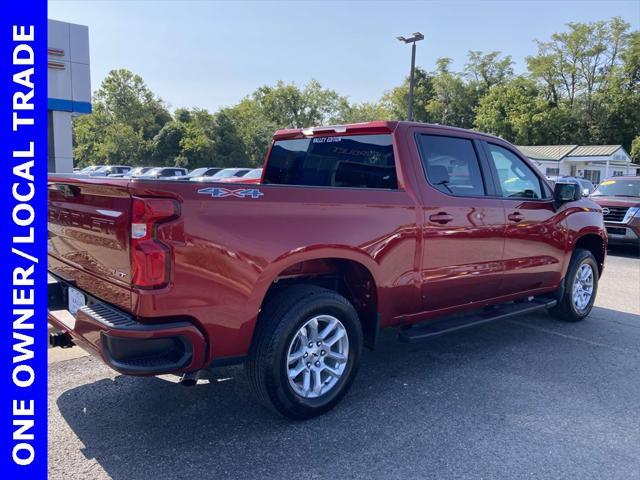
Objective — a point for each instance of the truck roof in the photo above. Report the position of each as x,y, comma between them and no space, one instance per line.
378,126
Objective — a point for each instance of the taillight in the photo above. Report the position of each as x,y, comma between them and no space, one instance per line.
150,258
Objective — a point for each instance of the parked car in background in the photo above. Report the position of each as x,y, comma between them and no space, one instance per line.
251,177
619,198
108,170
88,170
136,172
354,228
586,185
162,173
198,172
223,174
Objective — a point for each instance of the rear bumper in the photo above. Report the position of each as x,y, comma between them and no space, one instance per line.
621,233
127,346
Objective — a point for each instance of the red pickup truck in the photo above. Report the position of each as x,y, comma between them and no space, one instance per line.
425,228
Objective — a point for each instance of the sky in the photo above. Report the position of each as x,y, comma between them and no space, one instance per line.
211,54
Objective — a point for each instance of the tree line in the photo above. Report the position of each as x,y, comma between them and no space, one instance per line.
581,87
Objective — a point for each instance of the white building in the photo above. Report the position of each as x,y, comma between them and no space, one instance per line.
69,88
593,162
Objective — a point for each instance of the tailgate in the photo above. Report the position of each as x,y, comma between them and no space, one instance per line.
89,231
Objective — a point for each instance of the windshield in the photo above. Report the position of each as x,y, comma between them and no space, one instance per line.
153,171
255,173
101,169
197,172
618,188
586,184
226,173
139,170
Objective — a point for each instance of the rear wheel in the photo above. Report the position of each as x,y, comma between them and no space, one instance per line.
306,351
580,288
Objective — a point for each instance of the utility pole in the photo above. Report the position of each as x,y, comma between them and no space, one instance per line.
417,36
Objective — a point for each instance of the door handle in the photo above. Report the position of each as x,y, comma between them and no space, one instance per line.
441,218
515,217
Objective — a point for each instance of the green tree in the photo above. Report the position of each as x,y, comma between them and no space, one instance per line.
166,144
580,69
196,148
182,115
453,101
631,60
123,145
126,117
365,112
251,123
614,115
254,129
518,112
126,99
88,135
100,141
635,150
579,60
486,70
510,111
396,101
228,145
288,106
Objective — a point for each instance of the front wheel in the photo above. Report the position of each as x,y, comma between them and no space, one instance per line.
306,351
580,288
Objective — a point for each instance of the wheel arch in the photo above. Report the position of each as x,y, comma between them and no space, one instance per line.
349,272
594,243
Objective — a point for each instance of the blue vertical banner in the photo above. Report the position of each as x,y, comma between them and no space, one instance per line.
23,239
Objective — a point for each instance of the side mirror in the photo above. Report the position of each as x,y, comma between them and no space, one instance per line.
585,192
566,192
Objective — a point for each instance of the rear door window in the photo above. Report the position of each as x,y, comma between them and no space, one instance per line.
451,165
350,161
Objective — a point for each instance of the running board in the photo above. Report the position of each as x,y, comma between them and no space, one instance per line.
436,328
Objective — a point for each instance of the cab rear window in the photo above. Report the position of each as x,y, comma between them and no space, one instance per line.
351,161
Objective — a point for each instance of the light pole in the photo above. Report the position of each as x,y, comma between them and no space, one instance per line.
417,36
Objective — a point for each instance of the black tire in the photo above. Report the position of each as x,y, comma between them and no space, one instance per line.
566,310
278,322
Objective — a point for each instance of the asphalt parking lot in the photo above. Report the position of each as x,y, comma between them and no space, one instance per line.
524,398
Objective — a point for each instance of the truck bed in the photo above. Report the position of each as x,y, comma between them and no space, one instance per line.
226,247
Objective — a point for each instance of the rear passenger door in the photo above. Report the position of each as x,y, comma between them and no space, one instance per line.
464,221
534,234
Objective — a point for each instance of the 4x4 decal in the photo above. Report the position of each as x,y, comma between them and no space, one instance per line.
219,192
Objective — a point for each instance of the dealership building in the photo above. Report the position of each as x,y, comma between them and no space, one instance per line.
593,162
69,89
